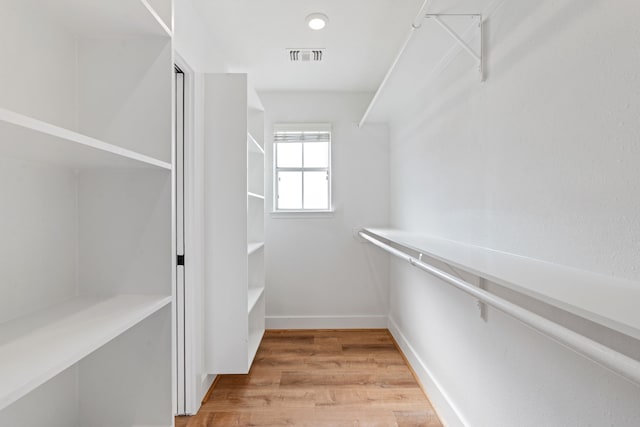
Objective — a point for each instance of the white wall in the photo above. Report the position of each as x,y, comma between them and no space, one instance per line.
39,77
39,227
193,41
316,272
541,160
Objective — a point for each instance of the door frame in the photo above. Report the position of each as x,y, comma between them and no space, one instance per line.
183,324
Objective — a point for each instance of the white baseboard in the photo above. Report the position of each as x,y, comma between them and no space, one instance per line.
326,322
447,410
201,391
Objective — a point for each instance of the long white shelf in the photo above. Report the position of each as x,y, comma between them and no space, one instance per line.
254,247
254,296
609,301
254,146
26,138
115,17
35,348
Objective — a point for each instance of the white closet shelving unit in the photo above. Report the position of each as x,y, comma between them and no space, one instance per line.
86,221
234,153
255,229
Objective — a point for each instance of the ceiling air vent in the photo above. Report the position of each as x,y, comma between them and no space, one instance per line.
305,55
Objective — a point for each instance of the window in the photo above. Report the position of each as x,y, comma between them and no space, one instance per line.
302,167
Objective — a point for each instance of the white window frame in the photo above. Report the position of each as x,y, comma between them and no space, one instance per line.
302,127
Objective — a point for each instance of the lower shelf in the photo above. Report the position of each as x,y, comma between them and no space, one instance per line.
35,348
256,325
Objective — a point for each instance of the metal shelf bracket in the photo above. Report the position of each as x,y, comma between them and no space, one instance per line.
416,25
478,56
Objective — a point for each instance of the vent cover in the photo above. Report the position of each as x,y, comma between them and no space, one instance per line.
305,55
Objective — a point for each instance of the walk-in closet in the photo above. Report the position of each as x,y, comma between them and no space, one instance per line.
319,213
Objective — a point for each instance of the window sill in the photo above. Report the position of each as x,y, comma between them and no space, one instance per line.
302,214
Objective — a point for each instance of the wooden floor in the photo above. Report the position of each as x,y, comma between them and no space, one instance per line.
320,378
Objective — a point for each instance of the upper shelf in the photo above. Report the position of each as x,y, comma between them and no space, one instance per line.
35,348
112,18
609,301
26,138
254,147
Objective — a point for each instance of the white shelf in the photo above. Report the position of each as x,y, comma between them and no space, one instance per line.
26,138
236,309
112,18
255,196
609,301
254,146
254,247
254,296
35,348
162,16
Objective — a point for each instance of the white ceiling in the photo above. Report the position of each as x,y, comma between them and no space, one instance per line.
361,40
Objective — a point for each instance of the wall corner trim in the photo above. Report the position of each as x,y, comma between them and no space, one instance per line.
447,410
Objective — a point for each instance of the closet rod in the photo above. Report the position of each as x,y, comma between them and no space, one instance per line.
417,23
604,356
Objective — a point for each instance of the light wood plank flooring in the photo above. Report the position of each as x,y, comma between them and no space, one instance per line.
320,378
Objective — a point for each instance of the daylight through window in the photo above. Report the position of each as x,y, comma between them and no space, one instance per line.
302,167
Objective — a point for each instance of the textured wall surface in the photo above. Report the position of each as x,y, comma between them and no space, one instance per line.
540,160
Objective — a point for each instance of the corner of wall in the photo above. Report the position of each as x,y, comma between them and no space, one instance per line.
445,407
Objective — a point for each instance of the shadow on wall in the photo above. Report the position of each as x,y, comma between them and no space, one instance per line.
454,88
539,34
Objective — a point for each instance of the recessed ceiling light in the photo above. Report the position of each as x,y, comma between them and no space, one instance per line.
317,21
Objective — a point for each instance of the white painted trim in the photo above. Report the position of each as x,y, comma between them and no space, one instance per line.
447,410
206,380
304,127
326,322
297,214
191,248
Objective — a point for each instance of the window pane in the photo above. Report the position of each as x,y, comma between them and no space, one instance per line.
316,155
289,190
289,155
316,190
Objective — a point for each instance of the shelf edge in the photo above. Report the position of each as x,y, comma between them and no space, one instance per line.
255,142
255,195
254,247
35,125
254,301
157,17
